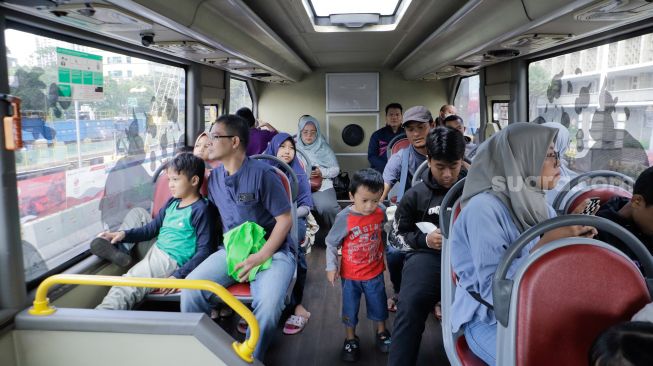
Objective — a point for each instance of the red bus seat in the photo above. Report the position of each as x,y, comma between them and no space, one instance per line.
162,192
567,293
603,192
466,356
399,145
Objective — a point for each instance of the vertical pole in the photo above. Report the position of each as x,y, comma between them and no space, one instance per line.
79,140
12,273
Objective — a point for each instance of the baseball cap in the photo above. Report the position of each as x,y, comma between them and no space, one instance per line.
417,114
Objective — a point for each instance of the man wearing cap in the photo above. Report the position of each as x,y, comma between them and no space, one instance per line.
417,123
445,111
377,151
457,123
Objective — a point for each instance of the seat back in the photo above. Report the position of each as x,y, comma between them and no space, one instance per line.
604,183
564,296
304,161
396,144
162,193
417,177
603,192
449,210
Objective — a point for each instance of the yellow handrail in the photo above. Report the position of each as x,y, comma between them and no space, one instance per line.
42,307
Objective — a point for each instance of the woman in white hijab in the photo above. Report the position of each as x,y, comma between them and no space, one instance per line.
561,142
502,198
325,165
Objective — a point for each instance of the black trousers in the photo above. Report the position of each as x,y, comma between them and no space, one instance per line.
420,291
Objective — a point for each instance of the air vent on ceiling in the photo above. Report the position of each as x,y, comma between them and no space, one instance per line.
99,17
501,54
449,71
183,47
535,41
227,62
260,74
611,10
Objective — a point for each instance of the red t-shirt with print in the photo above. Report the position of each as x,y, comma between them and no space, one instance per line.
362,248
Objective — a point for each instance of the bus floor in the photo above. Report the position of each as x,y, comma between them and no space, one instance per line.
320,343
322,339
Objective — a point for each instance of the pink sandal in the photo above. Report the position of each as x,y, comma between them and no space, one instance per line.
295,324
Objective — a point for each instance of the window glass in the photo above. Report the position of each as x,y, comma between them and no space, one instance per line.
210,115
604,96
468,106
500,113
95,129
239,95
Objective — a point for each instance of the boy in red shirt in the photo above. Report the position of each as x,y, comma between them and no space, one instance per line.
358,229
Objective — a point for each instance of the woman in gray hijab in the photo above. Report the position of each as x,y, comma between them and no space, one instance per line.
502,198
561,142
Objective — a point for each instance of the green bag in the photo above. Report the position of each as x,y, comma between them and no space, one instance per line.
241,241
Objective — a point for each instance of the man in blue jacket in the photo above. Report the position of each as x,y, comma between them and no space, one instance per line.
378,147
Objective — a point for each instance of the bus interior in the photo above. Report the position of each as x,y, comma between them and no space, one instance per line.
110,89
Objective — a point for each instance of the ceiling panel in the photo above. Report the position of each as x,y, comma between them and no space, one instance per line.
289,20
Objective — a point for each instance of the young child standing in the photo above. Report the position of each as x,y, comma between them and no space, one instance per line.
358,229
184,228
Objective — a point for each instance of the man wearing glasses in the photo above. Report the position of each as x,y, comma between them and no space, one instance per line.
247,190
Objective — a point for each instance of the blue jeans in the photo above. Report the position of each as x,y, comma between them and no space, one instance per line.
482,340
268,290
302,268
375,299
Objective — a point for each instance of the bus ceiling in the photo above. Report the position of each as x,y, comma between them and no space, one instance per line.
283,41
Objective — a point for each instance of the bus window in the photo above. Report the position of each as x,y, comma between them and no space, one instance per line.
211,113
604,96
500,112
468,106
96,125
239,95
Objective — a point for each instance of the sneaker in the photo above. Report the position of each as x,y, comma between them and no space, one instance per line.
105,250
383,341
351,350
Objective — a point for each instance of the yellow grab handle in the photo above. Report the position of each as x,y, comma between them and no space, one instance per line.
42,307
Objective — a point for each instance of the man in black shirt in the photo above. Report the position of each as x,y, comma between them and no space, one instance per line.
635,214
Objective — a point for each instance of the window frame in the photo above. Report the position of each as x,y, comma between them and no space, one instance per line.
497,101
629,31
250,91
626,32
45,28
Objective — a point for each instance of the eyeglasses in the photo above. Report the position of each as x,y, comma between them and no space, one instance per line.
555,155
215,137
309,133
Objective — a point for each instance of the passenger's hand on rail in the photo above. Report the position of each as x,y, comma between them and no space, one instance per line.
246,266
113,237
332,276
567,232
316,172
166,291
434,239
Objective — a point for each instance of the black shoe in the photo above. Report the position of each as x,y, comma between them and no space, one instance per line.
351,351
383,341
105,250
